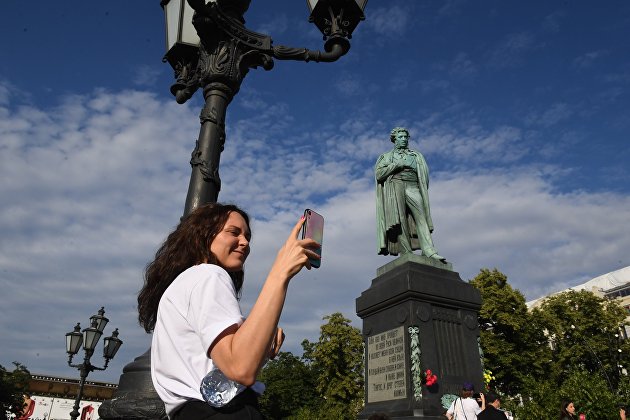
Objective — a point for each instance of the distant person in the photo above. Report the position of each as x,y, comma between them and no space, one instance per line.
567,411
465,407
492,412
205,355
29,407
622,413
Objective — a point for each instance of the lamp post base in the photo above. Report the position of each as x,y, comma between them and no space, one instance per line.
135,398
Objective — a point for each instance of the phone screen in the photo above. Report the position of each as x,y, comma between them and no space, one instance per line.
313,228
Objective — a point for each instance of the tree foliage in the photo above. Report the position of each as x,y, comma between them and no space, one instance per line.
326,383
290,387
583,333
13,386
569,348
511,347
588,392
338,357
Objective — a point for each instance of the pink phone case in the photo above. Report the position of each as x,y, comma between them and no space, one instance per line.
314,228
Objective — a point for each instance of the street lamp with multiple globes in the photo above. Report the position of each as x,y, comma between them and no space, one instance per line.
89,338
209,47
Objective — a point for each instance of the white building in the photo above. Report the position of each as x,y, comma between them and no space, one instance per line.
613,285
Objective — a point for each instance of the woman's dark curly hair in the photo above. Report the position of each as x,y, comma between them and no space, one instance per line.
188,245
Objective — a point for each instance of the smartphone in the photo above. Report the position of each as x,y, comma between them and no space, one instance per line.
313,228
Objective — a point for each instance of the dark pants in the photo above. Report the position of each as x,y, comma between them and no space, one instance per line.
244,406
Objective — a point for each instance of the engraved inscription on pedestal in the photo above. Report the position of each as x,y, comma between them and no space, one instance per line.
386,367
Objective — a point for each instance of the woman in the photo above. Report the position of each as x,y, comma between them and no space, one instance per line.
567,411
465,407
190,302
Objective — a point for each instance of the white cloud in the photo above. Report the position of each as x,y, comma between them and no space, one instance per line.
146,75
588,59
463,66
510,51
4,94
551,22
388,22
277,24
90,188
469,143
555,114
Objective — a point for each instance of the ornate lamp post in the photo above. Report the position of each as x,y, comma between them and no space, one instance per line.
89,339
209,47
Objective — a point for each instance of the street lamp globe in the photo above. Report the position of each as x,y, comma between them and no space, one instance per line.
111,345
336,17
99,319
74,339
182,41
91,335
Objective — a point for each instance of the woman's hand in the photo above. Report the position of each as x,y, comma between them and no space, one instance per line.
276,343
483,401
294,254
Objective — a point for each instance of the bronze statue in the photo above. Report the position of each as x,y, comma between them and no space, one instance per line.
403,215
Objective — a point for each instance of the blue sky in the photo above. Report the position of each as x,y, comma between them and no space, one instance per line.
521,110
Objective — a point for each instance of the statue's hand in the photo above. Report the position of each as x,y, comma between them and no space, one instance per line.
398,163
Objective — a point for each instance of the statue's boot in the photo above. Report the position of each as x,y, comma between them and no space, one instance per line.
438,257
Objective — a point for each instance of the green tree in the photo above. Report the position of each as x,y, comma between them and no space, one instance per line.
291,386
13,386
326,383
337,360
583,333
511,347
590,394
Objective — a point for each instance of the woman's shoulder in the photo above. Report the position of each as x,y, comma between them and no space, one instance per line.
202,270
200,273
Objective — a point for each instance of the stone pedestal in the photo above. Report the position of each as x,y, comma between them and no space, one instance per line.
418,314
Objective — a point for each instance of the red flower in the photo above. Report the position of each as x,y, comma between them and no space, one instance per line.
429,378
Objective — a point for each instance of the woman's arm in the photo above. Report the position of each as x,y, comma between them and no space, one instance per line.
240,351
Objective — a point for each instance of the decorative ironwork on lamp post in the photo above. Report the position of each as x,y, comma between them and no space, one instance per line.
210,48
89,338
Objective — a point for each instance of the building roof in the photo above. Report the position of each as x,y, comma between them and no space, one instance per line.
614,279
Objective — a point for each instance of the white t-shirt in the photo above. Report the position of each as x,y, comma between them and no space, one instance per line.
198,306
464,409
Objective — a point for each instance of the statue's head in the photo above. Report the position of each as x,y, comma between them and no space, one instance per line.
395,131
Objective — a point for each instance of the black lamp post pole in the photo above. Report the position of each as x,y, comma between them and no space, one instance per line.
85,368
205,182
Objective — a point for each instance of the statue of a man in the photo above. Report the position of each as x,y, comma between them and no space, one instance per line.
403,215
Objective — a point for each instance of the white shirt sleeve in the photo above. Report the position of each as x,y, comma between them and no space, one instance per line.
213,305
